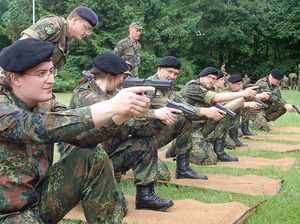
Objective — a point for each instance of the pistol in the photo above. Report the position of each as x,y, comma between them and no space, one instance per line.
264,105
221,107
186,111
158,84
296,108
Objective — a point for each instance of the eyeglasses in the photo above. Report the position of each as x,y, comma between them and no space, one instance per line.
88,30
46,74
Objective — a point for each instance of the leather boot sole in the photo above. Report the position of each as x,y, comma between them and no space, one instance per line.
161,209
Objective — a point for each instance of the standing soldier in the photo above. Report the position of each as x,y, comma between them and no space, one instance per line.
32,188
130,48
298,83
285,82
223,69
293,80
57,30
246,80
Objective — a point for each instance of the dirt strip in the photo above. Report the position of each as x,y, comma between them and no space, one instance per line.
290,137
253,185
249,162
270,146
286,129
258,162
183,212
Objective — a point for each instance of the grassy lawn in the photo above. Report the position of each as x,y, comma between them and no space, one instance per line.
279,209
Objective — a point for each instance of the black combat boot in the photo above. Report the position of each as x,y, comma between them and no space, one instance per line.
245,128
233,134
146,199
221,154
183,170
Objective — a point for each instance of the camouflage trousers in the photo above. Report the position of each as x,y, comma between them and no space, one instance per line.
140,155
236,120
181,133
202,152
83,176
262,117
217,129
246,115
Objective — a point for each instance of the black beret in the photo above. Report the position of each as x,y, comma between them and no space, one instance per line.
220,74
209,71
110,63
277,74
169,62
25,54
87,14
235,78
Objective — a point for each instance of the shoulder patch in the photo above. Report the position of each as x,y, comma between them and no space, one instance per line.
50,29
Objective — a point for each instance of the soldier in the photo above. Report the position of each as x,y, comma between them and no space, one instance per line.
242,115
293,80
199,93
130,48
219,86
57,30
285,83
246,80
220,82
32,189
132,145
202,152
226,75
298,83
277,105
180,132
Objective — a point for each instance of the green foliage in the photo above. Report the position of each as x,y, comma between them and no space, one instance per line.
68,78
251,37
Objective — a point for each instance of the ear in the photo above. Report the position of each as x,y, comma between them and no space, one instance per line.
15,79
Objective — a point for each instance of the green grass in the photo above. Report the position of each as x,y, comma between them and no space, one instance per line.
279,209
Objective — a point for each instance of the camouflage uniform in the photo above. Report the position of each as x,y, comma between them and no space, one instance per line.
197,95
182,130
54,30
32,190
246,80
131,52
130,146
236,122
274,111
293,80
285,83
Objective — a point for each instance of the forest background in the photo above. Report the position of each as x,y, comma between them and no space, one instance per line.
251,37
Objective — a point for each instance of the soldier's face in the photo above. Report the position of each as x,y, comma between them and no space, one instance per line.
220,83
135,33
35,85
81,28
167,73
236,86
117,81
208,81
273,81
